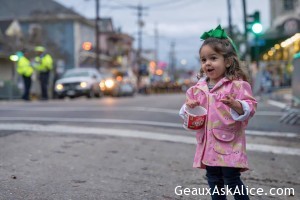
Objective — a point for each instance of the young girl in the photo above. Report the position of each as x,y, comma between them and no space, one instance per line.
227,96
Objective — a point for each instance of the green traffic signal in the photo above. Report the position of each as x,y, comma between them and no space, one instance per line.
256,28
254,23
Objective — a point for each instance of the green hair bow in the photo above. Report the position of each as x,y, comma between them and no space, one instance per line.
220,33
216,33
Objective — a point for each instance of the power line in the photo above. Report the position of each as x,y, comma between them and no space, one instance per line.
170,3
181,4
164,3
124,4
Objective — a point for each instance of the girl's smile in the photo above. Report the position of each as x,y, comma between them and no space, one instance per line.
213,64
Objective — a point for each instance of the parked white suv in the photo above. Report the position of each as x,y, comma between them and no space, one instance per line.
79,82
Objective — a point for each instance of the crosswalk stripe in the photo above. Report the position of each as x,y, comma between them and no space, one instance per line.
126,109
137,122
136,134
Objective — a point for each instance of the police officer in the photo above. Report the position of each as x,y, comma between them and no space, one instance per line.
44,64
25,69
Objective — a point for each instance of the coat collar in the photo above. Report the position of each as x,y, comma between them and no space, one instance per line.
219,84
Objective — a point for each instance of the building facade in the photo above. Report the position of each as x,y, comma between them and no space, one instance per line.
63,33
281,41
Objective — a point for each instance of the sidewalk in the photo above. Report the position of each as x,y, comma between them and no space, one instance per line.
279,97
283,99
283,95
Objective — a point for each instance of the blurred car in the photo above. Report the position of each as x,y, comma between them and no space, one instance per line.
79,82
118,83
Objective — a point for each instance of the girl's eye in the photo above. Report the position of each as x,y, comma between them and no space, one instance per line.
214,58
203,60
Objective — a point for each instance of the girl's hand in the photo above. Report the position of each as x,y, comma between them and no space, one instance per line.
233,104
191,103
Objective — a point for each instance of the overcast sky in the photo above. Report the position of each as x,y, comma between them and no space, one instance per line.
182,21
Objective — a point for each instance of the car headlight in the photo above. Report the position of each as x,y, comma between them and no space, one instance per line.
102,85
83,84
109,83
59,87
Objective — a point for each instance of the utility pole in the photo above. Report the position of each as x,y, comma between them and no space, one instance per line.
156,36
245,30
172,61
97,34
229,17
140,9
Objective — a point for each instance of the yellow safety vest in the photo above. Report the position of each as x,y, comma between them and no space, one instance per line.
24,67
45,63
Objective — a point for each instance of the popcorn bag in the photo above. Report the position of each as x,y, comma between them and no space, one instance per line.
194,118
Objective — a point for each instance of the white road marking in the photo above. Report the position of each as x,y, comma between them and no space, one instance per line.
138,122
79,109
269,113
272,134
136,134
114,121
277,104
89,109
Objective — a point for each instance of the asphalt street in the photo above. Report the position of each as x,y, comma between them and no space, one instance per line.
128,148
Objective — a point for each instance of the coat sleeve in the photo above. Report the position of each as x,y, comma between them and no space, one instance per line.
245,116
20,68
245,95
189,96
48,61
194,93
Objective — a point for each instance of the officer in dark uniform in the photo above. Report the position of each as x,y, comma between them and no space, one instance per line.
44,64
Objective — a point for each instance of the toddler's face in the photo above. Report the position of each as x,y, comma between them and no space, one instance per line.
213,64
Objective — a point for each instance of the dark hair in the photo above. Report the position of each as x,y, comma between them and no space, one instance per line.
225,48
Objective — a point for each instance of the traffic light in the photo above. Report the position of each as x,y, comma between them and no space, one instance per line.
254,22
87,46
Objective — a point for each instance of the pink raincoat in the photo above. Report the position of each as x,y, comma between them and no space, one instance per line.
222,140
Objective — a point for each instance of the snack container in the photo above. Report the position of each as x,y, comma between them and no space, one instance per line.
194,118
